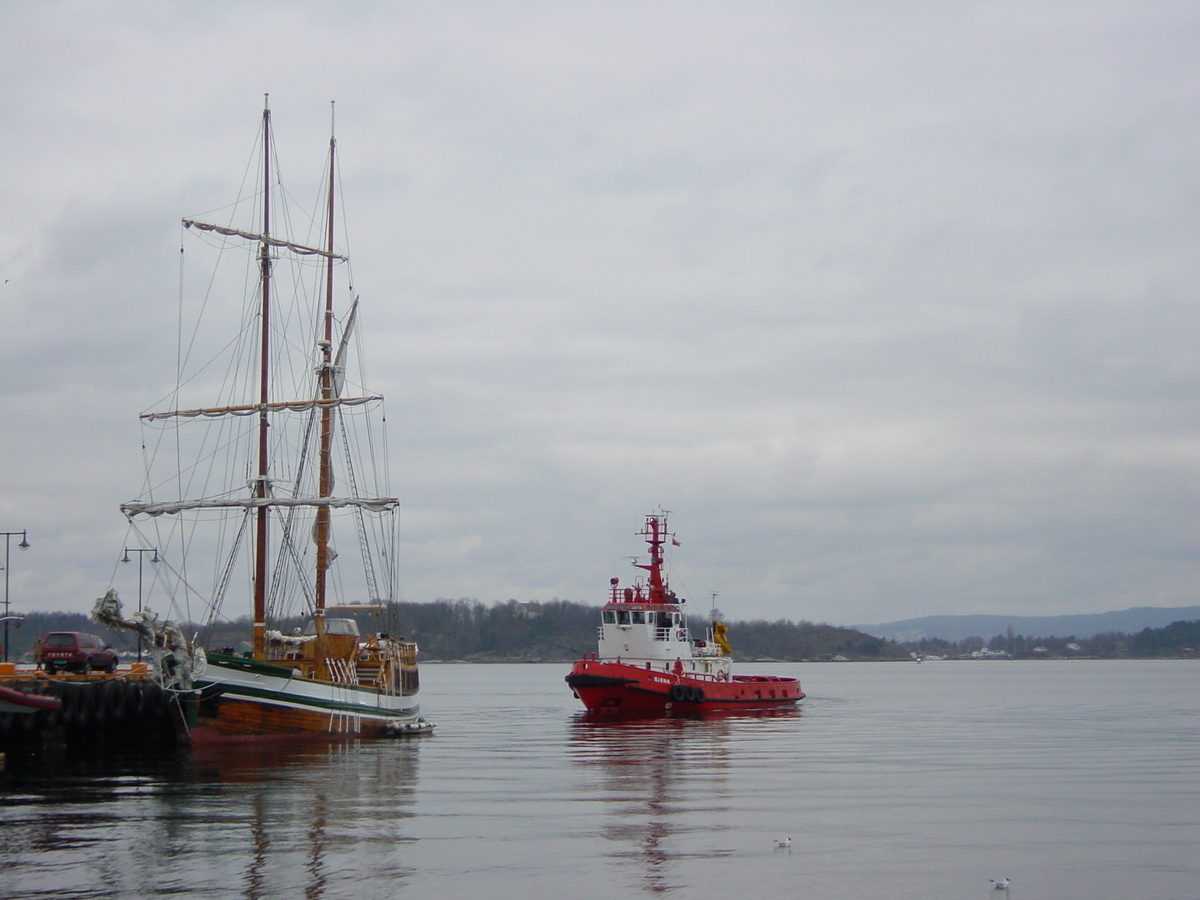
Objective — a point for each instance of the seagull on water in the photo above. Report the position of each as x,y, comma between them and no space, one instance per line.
785,844
1001,885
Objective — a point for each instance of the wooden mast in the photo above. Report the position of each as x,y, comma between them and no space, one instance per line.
325,459
260,534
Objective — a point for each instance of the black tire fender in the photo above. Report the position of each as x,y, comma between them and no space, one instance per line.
137,699
116,700
83,705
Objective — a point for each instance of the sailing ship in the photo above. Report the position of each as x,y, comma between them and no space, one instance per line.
279,458
647,661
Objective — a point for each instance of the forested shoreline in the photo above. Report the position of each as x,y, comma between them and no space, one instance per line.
561,631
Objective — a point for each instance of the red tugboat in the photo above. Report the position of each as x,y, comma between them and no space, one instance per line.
647,661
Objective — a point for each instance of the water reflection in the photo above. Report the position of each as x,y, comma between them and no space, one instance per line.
311,821
660,779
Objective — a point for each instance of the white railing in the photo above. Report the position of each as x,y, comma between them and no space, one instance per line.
342,671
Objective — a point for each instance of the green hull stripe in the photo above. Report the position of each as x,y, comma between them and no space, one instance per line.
362,709
350,706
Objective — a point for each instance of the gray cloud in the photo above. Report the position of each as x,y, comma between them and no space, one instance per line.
894,306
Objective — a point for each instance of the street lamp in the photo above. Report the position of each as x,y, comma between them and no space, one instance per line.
140,551
24,545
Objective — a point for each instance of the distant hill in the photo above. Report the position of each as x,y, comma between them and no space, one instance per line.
465,629
956,628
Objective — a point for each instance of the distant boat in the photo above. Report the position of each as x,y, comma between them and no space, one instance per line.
648,662
284,413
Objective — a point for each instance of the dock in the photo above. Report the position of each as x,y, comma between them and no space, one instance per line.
96,708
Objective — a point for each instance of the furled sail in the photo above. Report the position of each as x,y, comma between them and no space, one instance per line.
261,238
370,504
250,409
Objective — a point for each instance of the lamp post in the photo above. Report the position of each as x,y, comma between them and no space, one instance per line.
24,545
140,552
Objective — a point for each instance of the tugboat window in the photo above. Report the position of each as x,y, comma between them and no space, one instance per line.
622,617
610,617
639,617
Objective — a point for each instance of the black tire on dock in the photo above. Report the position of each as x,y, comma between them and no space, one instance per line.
79,705
84,705
67,713
135,698
115,700
154,705
54,717
149,702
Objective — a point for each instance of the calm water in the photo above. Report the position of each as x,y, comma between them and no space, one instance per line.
1076,780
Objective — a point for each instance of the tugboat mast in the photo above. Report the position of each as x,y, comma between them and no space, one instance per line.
655,533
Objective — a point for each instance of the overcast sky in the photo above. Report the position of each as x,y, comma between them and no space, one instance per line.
894,305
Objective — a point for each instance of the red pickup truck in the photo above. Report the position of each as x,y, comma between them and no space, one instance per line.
76,651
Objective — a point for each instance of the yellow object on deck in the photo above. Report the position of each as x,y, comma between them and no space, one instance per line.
720,629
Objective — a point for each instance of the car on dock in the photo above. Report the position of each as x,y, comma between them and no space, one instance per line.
76,652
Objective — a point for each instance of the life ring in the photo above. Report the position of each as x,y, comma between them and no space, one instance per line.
679,693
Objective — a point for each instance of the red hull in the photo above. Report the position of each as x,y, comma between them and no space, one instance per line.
620,687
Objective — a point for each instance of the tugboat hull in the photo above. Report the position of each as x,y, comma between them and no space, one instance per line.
621,687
